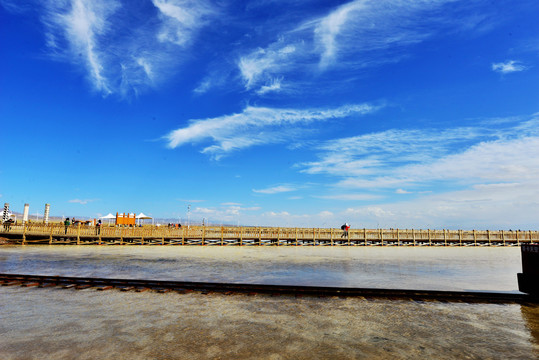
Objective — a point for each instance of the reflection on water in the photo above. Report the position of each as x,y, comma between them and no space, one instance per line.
430,268
56,323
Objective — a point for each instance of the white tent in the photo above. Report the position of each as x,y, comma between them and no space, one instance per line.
142,216
109,216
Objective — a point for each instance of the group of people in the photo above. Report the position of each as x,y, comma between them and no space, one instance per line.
176,226
68,223
7,224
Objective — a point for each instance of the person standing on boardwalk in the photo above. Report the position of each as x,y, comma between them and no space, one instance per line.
345,228
66,225
98,227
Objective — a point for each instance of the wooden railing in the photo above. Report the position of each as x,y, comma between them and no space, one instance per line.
226,235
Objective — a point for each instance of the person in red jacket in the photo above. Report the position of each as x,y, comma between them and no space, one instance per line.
345,228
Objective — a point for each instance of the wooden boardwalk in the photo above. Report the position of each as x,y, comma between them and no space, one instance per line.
207,288
259,236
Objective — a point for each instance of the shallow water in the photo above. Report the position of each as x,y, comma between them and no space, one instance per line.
481,269
54,323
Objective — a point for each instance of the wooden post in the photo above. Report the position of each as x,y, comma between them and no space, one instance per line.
314,237
241,235
50,235
413,236
259,236
183,235
488,238
518,244
78,234
278,233
503,238
296,236
381,237
203,234
24,234
445,238
365,236
222,236
121,236
398,237
428,230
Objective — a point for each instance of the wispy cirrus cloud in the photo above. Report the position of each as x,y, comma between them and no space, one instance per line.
191,200
256,126
276,189
120,52
509,66
74,32
351,36
181,18
82,201
419,158
350,197
226,213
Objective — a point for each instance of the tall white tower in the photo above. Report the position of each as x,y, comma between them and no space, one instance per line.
46,214
25,213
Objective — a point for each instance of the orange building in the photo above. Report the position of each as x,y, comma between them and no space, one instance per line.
125,219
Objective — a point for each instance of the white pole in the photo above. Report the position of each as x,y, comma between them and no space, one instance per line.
25,213
46,215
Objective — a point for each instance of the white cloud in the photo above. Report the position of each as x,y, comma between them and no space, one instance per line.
418,158
82,202
273,86
181,19
367,154
275,189
205,211
402,191
325,214
91,35
226,213
484,206
481,177
257,66
349,197
508,67
82,25
354,35
276,214
256,126
374,211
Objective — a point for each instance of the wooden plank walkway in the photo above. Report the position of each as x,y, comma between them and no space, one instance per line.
206,288
259,236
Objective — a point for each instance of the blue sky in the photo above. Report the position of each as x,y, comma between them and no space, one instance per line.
380,113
